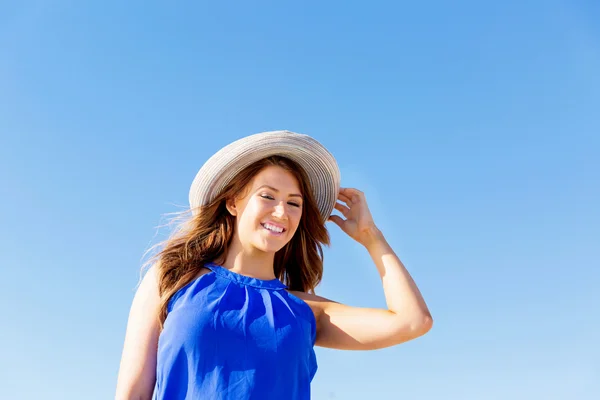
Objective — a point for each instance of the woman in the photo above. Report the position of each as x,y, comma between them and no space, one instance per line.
228,310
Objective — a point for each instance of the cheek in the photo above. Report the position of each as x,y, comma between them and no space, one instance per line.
296,218
251,217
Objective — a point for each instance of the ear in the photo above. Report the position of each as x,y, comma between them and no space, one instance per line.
230,205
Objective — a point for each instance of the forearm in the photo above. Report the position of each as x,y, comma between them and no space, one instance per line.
402,295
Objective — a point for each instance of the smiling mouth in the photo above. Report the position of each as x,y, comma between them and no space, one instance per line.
274,232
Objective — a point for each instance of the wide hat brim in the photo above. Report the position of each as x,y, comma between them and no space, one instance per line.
318,163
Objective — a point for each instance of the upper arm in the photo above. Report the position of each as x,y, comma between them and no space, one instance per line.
344,327
137,372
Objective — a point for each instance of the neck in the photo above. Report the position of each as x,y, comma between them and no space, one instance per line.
249,262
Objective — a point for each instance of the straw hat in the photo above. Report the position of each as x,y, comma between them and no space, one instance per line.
318,163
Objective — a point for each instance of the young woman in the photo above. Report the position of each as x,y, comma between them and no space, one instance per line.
228,310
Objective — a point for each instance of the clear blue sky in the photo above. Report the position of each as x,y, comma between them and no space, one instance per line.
473,129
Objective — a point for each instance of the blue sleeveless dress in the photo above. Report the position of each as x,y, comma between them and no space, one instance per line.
229,336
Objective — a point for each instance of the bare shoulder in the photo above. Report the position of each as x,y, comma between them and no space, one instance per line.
148,287
316,303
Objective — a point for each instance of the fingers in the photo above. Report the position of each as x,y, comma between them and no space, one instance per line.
349,192
337,220
350,195
345,199
342,208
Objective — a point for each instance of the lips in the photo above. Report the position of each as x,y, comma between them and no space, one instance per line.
273,228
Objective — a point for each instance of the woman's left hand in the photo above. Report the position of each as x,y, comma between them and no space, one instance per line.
359,224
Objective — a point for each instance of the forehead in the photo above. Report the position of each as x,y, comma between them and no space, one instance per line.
277,177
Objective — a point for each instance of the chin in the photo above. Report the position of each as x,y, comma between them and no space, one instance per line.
270,247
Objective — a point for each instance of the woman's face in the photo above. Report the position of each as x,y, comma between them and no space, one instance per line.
269,214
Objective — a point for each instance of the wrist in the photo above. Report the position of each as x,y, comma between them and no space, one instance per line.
374,239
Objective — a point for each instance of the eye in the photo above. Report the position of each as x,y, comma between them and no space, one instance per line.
269,197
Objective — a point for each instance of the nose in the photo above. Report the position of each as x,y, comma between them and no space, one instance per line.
279,211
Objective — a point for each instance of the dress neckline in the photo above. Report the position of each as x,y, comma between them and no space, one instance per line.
274,284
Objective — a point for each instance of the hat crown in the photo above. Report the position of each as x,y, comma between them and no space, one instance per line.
318,163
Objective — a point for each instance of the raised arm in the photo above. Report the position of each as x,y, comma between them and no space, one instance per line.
137,372
406,317
344,327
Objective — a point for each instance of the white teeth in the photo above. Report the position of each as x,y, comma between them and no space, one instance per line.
273,228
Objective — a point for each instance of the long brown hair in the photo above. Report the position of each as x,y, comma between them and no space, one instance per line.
206,235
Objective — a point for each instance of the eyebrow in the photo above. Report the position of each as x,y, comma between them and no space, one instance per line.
277,191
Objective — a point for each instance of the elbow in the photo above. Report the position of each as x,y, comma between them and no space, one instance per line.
418,326
425,324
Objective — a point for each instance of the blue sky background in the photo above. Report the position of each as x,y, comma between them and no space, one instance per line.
473,128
